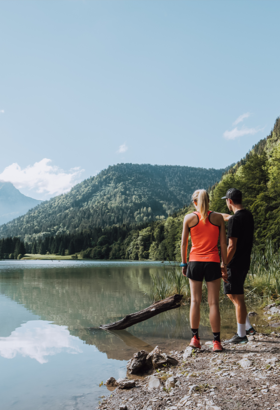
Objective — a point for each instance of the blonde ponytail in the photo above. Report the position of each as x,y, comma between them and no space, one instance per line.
201,199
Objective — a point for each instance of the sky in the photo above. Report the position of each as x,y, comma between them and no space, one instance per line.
86,84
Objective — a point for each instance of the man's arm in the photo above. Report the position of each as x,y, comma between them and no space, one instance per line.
231,249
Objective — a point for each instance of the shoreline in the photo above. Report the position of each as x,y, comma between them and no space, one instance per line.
242,376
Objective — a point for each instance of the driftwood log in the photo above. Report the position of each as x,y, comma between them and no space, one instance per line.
158,307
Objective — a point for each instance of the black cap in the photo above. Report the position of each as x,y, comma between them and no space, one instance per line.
234,194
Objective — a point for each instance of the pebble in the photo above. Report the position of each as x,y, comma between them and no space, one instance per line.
153,383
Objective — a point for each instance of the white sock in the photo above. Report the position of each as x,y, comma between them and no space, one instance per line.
241,330
248,324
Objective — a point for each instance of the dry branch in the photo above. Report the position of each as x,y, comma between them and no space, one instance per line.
158,307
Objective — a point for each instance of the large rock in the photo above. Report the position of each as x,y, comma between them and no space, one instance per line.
159,358
139,363
125,383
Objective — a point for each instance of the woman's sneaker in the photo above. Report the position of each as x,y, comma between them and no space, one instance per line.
251,331
217,346
195,342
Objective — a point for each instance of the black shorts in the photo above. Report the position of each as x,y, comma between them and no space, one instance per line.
200,270
236,279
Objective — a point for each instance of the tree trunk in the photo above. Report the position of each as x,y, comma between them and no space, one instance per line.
158,307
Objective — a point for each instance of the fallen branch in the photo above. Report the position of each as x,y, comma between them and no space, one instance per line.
158,307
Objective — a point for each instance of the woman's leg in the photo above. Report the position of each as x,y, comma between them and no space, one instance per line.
196,295
213,288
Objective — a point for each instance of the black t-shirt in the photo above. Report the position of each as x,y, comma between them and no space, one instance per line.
241,226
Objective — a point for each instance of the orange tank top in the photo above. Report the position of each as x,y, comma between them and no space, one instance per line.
204,241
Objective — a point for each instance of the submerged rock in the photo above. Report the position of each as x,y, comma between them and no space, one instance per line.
111,382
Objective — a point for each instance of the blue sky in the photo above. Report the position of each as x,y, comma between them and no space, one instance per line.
88,84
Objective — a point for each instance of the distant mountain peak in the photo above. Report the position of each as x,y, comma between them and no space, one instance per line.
13,203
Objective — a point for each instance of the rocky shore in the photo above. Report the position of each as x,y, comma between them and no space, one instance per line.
242,376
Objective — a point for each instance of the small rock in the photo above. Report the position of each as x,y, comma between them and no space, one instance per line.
269,306
252,314
187,352
275,325
245,363
274,310
123,407
111,382
153,383
125,383
170,382
193,388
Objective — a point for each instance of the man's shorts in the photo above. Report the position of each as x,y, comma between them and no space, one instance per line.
236,279
200,270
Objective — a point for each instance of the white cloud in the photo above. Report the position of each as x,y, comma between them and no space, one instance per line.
241,118
235,133
2,111
122,148
38,339
42,177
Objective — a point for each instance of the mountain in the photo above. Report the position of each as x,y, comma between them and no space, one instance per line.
256,175
121,194
13,203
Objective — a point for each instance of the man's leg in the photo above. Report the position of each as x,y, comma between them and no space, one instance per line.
240,307
241,313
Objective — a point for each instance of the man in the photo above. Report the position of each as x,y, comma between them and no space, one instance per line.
240,242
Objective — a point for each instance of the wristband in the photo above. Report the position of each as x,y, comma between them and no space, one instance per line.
183,265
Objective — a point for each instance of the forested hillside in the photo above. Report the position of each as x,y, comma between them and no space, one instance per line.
122,194
257,175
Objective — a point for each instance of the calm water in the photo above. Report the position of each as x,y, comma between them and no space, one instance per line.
49,358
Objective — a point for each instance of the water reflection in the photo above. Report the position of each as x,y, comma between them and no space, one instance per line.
46,312
38,339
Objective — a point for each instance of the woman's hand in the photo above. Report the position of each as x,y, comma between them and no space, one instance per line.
224,274
184,270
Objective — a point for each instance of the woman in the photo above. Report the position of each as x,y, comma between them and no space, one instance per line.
206,229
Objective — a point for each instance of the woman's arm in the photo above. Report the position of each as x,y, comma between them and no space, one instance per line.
226,217
184,243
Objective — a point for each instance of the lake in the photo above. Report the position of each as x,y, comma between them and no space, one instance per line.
49,356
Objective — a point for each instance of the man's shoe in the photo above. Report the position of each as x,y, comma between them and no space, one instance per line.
195,342
236,339
251,331
217,346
